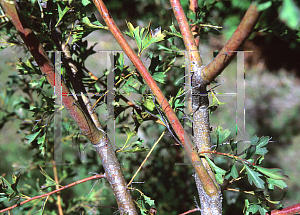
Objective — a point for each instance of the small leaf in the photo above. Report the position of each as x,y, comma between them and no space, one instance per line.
250,151
234,172
49,181
96,24
41,142
149,104
264,6
159,76
233,145
85,2
61,13
219,172
221,135
290,14
253,176
148,200
278,183
129,133
32,137
263,141
274,173
254,140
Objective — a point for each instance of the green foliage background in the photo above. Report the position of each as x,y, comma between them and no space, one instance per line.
272,109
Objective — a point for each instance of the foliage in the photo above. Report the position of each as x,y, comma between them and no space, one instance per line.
33,107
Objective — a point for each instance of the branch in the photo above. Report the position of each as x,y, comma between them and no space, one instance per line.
293,209
101,144
187,35
195,8
210,187
54,191
225,56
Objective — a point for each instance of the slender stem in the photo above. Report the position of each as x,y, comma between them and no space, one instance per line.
195,8
58,201
187,35
210,187
293,209
102,145
52,192
243,31
144,161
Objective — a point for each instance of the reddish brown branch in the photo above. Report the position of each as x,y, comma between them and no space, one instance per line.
54,191
85,124
195,8
293,209
210,187
225,56
185,30
102,145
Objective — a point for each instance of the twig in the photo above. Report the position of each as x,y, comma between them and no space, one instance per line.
210,187
54,191
140,167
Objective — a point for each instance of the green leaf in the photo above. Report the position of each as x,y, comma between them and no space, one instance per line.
219,172
135,34
233,172
173,33
278,183
49,181
221,135
260,143
263,141
264,6
254,140
129,133
130,86
61,13
90,24
233,144
274,173
153,38
253,208
149,104
32,137
148,200
159,76
85,2
253,176
14,185
250,151
290,14
41,142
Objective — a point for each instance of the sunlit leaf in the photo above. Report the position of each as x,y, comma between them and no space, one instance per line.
253,177
278,183
290,14
61,13
219,172
274,173
32,137
49,181
221,135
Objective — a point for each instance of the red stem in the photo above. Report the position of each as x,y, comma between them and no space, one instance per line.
293,209
185,30
243,31
195,8
210,187
54,191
